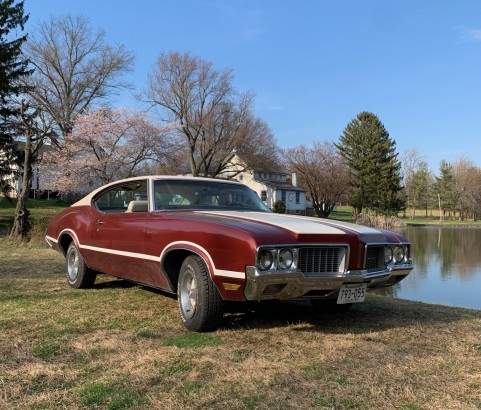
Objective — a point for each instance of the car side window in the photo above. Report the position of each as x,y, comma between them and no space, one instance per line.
127,197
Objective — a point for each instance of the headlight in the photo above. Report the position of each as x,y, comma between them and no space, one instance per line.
286,258
265,260
388,255
399,254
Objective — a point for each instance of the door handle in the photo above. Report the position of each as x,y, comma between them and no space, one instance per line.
99,223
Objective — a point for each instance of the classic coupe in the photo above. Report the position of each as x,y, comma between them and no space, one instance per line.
213,241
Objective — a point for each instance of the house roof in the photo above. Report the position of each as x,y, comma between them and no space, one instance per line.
44,148
269,167
280,185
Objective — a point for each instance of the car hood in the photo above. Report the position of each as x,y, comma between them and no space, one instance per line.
304,227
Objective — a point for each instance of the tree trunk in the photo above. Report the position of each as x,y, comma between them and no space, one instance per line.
21,223
440,209
358,210
193,167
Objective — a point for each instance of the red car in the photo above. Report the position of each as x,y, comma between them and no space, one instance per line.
211,241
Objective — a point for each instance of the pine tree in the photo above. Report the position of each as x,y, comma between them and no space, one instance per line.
12,69
444,189
375,169
420,188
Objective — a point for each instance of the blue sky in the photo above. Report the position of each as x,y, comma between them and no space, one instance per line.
314,65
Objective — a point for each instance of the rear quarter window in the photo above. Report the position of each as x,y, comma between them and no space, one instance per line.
117,198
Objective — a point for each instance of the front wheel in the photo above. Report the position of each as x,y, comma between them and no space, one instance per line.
79,275
200,304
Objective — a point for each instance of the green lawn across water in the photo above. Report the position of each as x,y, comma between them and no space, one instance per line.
42,210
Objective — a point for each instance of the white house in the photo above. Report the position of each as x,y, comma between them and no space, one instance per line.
16,177
273,185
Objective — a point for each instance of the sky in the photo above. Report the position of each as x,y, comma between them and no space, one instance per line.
313,65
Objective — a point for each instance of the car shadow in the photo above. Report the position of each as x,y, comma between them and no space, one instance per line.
159,292
377,313
115,284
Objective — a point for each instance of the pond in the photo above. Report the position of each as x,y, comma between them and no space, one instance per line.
447,267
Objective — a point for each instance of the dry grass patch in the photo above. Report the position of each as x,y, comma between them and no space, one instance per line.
121,346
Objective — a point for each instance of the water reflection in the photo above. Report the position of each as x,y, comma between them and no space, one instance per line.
447,267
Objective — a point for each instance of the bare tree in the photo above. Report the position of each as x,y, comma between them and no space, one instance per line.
467,178
74,67
243,134
213,118
322,172
411,160
32,130
259,146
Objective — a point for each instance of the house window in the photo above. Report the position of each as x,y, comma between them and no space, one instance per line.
283,195
264,196
298,197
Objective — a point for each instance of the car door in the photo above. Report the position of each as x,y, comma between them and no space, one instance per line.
119,232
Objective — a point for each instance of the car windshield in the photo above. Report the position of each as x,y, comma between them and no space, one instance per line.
204,195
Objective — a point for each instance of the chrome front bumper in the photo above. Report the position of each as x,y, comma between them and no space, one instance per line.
295,284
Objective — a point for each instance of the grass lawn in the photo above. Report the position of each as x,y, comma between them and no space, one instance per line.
41,212
121,346
345,213
437,222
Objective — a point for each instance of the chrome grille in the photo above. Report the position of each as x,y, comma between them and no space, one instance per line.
321,260
374,257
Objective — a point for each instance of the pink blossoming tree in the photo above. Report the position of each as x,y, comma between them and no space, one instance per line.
106,145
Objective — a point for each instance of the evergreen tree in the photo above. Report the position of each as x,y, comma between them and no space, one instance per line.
375,169
444,189
12,69
419,182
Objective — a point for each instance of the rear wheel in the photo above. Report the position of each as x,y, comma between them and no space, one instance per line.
79,275
200,304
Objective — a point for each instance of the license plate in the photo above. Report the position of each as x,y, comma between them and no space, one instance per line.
352,293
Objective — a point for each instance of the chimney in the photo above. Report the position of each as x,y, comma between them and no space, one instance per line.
294,179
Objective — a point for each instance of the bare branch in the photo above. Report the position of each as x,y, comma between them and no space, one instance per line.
322,172
214,120
73,68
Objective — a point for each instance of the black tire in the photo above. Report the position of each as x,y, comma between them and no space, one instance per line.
330,306
79,275
200,304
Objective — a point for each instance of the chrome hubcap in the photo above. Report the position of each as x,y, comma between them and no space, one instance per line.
188,294
72,264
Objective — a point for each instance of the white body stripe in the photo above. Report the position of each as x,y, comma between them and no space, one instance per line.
352,227
230,274
217,272
157,259
121,253
295,223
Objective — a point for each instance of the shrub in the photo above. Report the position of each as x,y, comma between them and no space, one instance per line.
279,207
